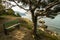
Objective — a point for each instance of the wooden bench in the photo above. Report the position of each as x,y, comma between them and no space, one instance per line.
9,26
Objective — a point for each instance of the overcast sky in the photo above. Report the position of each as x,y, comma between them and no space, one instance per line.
16,8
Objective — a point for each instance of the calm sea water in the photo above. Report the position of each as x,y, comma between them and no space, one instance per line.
53,24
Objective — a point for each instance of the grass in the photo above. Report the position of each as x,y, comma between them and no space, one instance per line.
46,35
29,25
26,23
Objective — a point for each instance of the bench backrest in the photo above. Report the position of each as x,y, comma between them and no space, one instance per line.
10,23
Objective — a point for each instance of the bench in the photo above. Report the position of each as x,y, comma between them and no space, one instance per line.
9,26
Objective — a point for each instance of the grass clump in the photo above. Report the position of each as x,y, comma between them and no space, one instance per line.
46,35
26,23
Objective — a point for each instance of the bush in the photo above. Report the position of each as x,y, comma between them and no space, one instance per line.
26,23
10,12
7,12
18,15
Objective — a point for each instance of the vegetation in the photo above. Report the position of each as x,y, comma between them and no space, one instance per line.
5,12
0,1
18,15
2,9
33,6
37,4
26,23
10,12
46,35
40,34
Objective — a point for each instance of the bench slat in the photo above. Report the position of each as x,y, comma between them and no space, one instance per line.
13,26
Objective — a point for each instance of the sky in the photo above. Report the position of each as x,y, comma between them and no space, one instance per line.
16,8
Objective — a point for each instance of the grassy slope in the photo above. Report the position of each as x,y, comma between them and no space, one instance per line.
44,35
28,24
6,18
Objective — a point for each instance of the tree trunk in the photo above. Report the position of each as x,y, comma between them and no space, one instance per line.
34,19
35,24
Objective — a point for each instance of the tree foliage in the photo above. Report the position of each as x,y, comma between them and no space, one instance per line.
10,12
2,9
0,1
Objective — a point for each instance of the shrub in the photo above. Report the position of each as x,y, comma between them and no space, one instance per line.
18,15
10,12
26,23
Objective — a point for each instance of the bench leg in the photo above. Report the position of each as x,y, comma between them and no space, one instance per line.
6,32
18,26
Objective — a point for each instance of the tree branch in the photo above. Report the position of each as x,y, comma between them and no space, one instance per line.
48,7
21,6
51,5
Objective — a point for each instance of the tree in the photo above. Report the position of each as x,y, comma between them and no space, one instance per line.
10,12
2,9
36,4
5,11
0,1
